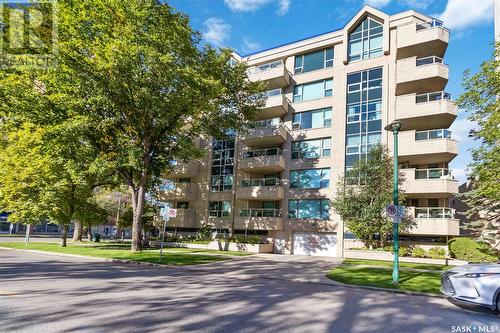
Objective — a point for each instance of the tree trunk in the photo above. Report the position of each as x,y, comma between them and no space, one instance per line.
77,234
64,235
138,198
89,232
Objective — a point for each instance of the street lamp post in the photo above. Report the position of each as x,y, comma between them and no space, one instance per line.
395,126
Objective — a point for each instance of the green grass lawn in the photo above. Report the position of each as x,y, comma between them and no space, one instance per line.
171,256
353,271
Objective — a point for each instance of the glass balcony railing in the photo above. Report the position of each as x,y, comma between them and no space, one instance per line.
433,96
429,60
430,24
433,134
438,173
274,122
260,212
434,213
262,152
265,67
261,182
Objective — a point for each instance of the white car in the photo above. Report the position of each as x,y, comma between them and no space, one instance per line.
477,284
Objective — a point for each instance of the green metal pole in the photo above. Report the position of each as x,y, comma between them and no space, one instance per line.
395,226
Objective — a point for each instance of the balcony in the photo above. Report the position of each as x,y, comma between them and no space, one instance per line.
423,147
184,170
262,161
276,105
417,39
429,183
421,75
273,73
259,219
180,192
434,221
418,111
265,133
186,218
265,189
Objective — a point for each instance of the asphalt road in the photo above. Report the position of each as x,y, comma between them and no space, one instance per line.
46,293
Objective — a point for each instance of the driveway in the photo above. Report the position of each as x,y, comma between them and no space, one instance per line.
46,293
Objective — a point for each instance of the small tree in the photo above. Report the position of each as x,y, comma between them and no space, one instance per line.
363,194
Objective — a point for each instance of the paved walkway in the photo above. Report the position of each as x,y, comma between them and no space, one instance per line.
47,293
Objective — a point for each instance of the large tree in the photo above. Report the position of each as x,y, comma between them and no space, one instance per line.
363,194
481,100
137,73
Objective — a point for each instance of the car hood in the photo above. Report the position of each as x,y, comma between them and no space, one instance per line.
477,268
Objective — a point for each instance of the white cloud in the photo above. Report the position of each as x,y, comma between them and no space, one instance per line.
462,14
243,6
249,46
416,4
284,6
377,3
216,31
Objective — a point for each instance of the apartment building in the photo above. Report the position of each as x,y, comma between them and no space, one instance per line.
329,97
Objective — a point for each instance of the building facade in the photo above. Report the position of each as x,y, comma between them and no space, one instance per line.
328,100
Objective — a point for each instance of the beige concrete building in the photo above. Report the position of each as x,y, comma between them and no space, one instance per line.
329,98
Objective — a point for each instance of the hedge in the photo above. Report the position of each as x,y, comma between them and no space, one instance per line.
472,251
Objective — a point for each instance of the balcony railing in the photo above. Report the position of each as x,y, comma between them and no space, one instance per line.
430,24
439,173
429,60
274,122
261,182
434,213
260,212
266,67
262,152
433,134
433,96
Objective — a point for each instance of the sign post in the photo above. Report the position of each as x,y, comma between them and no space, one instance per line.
166,213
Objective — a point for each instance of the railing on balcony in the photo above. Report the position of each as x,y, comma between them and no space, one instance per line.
260,212
429,60
274,122
433,96
262,152
433,134
261,182
434,213
266,67
429,24
438,173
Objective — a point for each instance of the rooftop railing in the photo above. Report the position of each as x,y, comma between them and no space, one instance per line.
433,134
429,24
261,182
429,60
260,212
433,96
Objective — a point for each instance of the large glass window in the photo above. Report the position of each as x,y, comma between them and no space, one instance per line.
314,60
309,209
312,119
222,165
219,209
310,178
366,41
364,113
433,134
313,90
311,148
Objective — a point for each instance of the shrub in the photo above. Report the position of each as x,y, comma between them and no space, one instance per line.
205,233
436,253
472,251
418,252
404,251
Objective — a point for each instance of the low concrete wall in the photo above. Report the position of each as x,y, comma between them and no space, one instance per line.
388,256
226,246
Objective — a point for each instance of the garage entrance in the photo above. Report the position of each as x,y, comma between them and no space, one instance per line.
315,244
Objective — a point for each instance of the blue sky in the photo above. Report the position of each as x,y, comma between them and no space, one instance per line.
252,25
